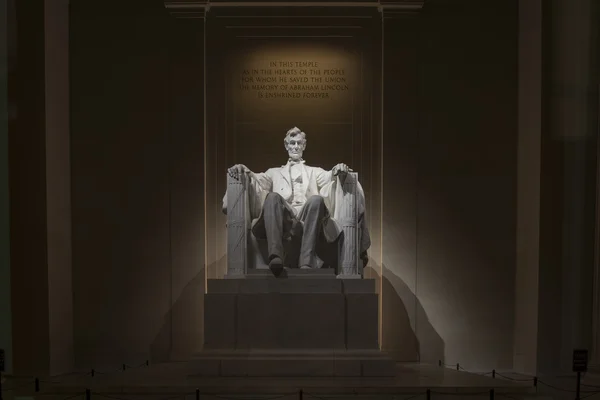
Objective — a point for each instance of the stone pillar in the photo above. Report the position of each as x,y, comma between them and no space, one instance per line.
27,174
40,193
570,137
186,140
595,355
400,127
566,156
58,186
528,186
558,117
7,65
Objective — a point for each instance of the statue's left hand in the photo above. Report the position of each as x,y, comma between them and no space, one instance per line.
340,169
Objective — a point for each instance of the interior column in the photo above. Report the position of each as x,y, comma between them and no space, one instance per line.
187,92
40,193
528,182
400,86
7,59
58,186
568,180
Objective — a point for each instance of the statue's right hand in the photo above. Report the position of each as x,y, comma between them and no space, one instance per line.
237,170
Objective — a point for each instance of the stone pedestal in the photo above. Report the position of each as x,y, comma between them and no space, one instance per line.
294,363
300,326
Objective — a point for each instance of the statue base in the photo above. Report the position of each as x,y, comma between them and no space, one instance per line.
295,273
303,326
294,363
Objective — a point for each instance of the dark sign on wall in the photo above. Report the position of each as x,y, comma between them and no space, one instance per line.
580,360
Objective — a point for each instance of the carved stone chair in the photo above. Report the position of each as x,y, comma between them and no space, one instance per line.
246,252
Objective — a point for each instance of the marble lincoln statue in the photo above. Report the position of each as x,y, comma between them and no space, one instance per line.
297,200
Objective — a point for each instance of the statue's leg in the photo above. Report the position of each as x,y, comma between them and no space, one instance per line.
292,247
276,218
312,215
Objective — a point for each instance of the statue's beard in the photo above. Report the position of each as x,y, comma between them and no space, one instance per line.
295,156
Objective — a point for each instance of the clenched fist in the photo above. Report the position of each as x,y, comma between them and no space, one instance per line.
340,169
237,170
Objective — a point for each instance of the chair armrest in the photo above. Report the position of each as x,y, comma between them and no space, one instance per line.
238,222
347,218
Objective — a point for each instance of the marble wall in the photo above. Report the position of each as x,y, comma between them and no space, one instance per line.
450,186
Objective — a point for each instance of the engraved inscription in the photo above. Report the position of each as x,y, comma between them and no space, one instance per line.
294,80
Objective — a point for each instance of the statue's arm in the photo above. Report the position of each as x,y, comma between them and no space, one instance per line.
261,180
326,185
324,178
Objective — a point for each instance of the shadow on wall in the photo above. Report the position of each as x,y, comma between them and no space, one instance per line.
408,335
182,333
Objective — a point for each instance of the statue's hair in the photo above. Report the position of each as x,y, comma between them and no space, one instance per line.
293,133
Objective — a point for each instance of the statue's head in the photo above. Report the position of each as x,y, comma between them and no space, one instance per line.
295,143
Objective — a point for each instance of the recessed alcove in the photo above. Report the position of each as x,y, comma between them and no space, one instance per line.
270,69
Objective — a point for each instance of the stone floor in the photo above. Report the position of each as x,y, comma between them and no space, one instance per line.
172,381
562,387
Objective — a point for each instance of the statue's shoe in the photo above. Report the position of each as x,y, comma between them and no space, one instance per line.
305,267
276,266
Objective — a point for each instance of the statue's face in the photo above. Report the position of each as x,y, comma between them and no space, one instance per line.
295,146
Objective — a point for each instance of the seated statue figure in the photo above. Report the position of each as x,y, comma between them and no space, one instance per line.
299,201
